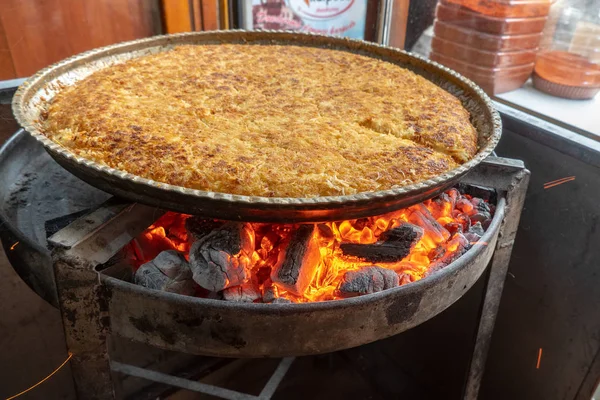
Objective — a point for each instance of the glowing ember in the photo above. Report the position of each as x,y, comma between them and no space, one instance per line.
450,223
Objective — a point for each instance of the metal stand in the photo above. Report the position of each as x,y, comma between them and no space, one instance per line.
514,183
94,239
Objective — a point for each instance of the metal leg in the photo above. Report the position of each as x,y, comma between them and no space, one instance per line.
515,197
85,325
83,300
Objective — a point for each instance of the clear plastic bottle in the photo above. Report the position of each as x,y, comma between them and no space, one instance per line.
568,65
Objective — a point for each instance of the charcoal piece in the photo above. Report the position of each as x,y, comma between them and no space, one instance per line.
481,217
465,206
169,272
281,300
480,205
437,253
472,237
421,216
270,293
221,259
197,227
482,192
475,233
434,267
298,261
367,280
440,205
454,227
458,241
245,293
325,231
404,278
393,246
477,229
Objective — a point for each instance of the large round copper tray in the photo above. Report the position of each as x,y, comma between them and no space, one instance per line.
34,96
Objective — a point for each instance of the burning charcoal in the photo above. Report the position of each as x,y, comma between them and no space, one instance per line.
482,209
404,279
298,261
441,206
325,231
454,227
368,280
465,206
221,259
393,245
458,242
481,217
421,216
168,272
480,205
246,293
434,267
197,227
436,253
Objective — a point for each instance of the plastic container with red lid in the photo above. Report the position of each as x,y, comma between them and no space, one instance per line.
484,41
472,55
506,8
466,18
492,80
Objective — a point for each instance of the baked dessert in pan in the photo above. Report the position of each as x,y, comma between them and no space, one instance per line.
264,120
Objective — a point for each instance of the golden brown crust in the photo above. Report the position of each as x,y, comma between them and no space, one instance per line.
277,121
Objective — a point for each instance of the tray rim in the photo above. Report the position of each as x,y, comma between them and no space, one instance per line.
21,101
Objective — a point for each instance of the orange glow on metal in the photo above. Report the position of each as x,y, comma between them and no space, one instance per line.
539,359
43,380
13,246
557,182
169,232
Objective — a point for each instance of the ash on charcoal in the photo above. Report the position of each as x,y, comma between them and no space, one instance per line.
169,272
393,245
367,280
246,293
221,259
298,261
197,227
270,293
477,229
475,232
281,300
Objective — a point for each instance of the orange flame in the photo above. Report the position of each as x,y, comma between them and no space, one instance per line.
433,215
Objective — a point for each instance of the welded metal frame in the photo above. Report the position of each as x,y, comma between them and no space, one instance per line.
94,305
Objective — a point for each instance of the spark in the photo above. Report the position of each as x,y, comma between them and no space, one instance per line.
557,182
43,380
539,359
13,246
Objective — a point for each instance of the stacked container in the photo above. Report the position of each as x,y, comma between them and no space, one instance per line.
568,64
492,42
